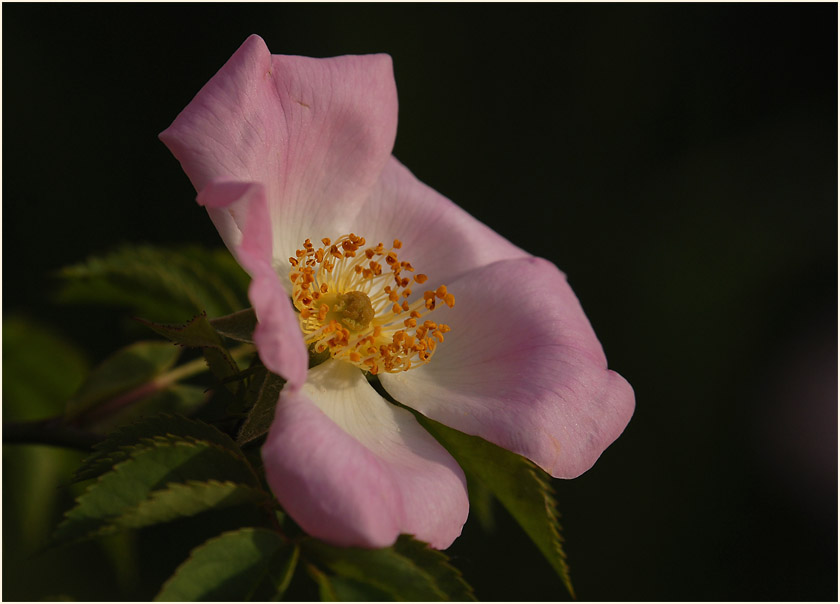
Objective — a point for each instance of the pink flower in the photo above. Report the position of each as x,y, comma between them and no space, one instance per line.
285,150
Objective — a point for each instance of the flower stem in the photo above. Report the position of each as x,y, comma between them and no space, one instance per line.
66,432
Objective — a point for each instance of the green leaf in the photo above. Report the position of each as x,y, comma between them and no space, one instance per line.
264,391
151,466
188,499
132,367
436,563
199,333
238,326
159,283
245,564
332,588
408,571
522,488
120,443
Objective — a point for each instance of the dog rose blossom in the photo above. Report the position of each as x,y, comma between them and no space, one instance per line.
355,261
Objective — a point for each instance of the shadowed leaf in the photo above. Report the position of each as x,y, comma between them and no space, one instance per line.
151,466
119,444
245,564
188,499
521,487
157,282
408,571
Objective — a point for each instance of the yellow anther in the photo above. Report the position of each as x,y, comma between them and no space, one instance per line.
351,304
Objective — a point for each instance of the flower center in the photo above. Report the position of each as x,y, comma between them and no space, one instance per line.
358,310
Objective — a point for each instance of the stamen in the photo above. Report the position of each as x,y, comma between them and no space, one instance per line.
354,303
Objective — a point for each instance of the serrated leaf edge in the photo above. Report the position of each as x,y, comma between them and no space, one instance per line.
133,452
103,448
553,515
432,581
442,559
173,486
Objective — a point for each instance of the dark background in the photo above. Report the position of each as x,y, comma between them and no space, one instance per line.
677,161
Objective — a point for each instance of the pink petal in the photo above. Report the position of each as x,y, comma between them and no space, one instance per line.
354,470
277,336
521,368
439,238
315,132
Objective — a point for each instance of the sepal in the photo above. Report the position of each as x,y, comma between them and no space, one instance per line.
264,392
238,326
199,333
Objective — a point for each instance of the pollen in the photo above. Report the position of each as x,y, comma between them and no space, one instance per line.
355,302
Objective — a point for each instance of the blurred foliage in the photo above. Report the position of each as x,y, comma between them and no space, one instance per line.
158,283
678,162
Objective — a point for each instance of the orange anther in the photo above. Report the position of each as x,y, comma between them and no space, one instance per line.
325,240
450,300
397,244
